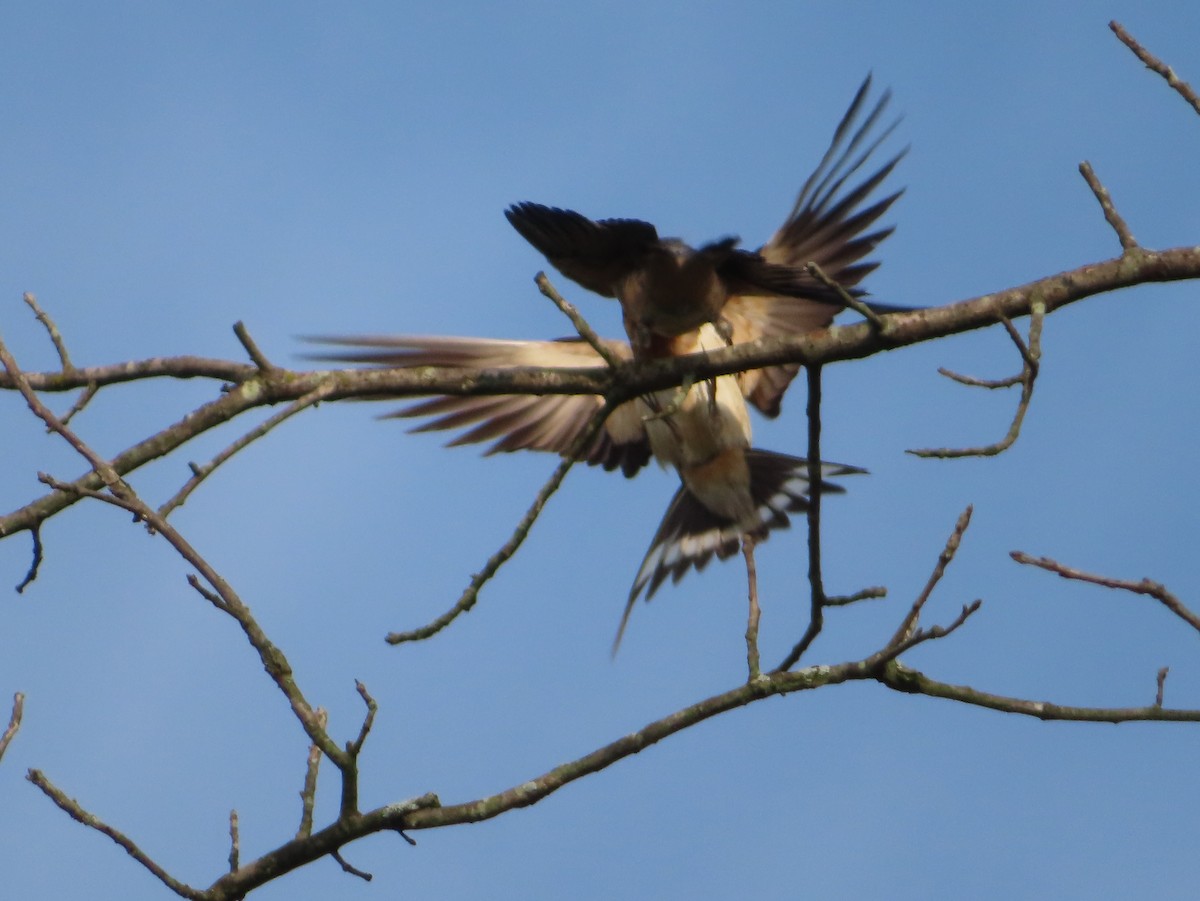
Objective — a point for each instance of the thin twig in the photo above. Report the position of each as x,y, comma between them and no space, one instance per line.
920,636
1030,367
202,472
14,722
36,562
581,326
909,624
225,598
1144,586
752,657
56,337
1153,62
349,805
867,594
347,868
235,842
816,585
252,350
252,389
972,382
85,397
77,813
849,300
99,465
468,598
308,794
354,747
1128,242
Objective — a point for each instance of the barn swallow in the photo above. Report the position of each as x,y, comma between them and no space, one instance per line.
729,491
667,288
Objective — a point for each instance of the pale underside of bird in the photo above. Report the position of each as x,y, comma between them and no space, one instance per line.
729,490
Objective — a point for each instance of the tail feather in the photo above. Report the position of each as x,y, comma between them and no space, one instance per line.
690,534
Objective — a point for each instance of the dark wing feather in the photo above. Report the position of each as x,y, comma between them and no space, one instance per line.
597,255
826,226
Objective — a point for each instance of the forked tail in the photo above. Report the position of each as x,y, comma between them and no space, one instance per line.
690,534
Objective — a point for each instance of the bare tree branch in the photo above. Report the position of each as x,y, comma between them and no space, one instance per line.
816,584
308,794
79,815
1031,355
56,337
1144,586
753,661
846,297
1110,211
347,868
1154,63
263,383
235,842
252,349
200,473
581,325
905,632
901,678
14,722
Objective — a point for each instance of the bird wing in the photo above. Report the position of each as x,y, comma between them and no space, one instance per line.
512,422
691,534
596,254
827,227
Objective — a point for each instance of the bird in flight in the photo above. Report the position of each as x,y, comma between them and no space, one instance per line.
675,301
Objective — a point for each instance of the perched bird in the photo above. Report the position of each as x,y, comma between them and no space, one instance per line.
676,301
667,288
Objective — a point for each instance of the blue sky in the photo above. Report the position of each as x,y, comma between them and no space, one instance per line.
170,169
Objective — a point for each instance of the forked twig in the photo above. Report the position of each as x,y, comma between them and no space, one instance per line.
909,624
1031,355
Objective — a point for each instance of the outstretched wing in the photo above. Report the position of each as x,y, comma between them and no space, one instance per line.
597,255
690,534
512,422
828,226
